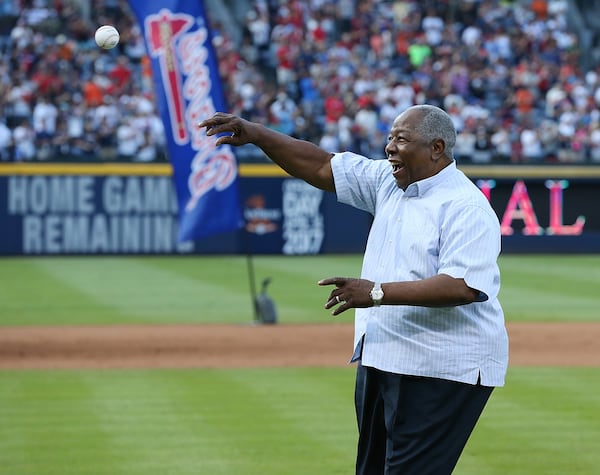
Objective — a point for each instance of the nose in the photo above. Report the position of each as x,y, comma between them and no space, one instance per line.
389,149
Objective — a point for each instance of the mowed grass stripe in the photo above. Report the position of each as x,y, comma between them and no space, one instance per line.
550,288
50,425
179,422
30,295
545,421
191,289
532,304
118,290
293,421
330,392
141,291
290,421
216,289
154,430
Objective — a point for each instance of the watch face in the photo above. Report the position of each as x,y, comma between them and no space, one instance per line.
377,294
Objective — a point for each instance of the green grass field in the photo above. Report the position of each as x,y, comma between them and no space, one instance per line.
83,290
295,421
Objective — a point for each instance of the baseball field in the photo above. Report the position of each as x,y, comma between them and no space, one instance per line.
154,365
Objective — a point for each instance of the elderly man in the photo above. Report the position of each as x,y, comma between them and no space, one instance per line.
430,339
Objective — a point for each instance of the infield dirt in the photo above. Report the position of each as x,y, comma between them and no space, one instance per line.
242,346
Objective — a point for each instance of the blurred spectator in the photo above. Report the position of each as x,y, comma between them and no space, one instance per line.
366,119
24,139
531,145
283,112
483,145
107,138
465,144
6,142
501,144
44,116
85,146
595,143
44,126
507,72
120,75
61,142
329,140
548,133
147,150
129,140
93,91
18,98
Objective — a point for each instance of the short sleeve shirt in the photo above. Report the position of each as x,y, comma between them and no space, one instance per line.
439,225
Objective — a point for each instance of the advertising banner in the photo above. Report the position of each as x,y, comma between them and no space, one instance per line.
188,88
290,217
89,215
133,214
126,213
546,215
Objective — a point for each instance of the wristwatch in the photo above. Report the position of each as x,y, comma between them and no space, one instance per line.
377,294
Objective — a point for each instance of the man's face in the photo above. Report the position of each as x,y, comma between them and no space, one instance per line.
409,155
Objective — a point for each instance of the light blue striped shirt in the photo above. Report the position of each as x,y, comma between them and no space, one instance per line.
439,225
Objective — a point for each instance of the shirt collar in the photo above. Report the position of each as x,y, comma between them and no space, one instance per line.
419,188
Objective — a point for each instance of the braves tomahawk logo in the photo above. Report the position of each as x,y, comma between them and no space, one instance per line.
180,47
162,32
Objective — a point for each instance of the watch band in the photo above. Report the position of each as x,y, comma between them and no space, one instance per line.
377,294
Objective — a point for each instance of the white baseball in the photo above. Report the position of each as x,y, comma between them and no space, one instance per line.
107,37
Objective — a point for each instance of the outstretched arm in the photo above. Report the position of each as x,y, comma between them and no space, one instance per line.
299,158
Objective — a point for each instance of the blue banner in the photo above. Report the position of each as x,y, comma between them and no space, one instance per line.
188,89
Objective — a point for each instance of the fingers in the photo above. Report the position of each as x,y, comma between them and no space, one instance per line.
227,124
217,119
334,300
214,128
337,281
226,139
337,307
337,300
348,293
340,309
218,123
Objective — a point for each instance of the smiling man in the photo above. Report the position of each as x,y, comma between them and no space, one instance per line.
430,340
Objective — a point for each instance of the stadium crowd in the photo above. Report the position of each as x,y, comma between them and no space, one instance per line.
333,72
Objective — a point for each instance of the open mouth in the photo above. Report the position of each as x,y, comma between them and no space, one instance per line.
396,167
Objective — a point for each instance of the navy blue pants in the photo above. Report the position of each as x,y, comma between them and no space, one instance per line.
413,425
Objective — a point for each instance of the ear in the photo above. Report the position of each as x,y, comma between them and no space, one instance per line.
438,147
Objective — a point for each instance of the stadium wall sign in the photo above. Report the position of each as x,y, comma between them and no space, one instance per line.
57,209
